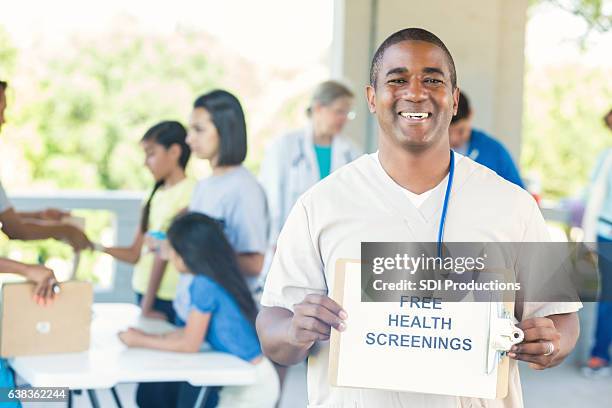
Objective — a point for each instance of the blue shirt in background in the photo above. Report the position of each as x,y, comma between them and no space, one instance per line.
229,330
237,201
487,151
324,159
604,224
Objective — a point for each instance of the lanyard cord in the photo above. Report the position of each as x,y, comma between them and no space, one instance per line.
451,174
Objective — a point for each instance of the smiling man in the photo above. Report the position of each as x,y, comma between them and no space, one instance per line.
397,195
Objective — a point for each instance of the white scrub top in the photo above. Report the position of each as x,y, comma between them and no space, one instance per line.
360,202
416,199
290,168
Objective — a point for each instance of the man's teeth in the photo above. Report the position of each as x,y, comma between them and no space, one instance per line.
415,115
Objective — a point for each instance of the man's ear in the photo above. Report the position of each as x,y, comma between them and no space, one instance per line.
455,101
371,98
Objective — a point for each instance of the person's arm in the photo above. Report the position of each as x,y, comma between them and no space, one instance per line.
250,264
249,218
130,254
39,274
49,214
286,337
16,228
560,330
297,311
148,300
186,340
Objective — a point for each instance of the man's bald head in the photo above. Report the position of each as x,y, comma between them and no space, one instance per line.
410,34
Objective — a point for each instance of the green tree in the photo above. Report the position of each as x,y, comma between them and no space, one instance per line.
86,106
96,101
563,129
8,55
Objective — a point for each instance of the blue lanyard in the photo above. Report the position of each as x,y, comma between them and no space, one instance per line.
451,174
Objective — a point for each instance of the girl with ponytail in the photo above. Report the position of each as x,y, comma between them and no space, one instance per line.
166,157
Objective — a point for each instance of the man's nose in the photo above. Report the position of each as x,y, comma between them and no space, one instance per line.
415,91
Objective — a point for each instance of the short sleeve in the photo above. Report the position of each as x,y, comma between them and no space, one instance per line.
204,295
5,203
297,269
533,266
174,203
249,219
196,197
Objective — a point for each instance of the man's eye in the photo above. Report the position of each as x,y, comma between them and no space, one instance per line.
433,81
397,81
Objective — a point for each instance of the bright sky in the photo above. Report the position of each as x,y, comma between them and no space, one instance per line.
551,40
283,33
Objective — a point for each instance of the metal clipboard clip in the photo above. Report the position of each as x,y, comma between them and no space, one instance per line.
503,334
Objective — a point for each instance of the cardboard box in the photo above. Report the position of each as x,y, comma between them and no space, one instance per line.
27,328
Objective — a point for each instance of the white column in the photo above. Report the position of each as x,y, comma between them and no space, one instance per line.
485,37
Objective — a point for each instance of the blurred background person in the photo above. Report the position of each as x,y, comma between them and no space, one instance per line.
479,146
230,194
154,280
297,160
597,226
39,225
222,313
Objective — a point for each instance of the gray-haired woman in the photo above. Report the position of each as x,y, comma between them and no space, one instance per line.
296,161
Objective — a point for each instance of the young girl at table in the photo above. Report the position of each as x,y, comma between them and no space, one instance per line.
166,156
222,311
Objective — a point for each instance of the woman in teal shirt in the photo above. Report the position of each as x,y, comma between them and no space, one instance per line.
296,161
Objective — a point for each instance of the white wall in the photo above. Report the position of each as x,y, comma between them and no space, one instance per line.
485,37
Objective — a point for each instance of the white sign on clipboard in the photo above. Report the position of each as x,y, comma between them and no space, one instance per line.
453,348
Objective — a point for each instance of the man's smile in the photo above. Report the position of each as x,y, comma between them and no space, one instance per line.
415,117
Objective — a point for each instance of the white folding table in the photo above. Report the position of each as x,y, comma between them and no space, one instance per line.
108,362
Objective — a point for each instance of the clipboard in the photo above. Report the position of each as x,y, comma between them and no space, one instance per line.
481,372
